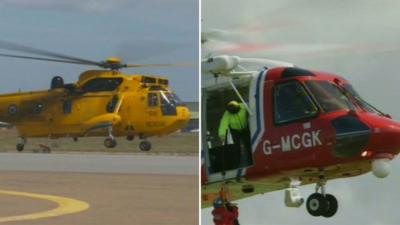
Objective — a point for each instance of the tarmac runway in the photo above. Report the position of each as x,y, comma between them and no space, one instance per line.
117,189
99,163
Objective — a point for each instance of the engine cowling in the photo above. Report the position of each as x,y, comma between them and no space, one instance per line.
221,64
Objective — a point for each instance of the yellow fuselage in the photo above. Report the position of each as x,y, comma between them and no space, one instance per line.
86,109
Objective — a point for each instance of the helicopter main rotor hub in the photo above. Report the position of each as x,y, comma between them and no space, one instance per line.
113,63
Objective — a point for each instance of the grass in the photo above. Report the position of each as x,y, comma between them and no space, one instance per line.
173,144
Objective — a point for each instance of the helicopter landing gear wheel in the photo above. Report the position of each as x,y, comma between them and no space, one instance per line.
145,146
110,142
332,206
316,204
20,147
322,204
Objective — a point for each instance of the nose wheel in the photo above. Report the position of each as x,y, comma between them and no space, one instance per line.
145,145
21,145
321,204
110,142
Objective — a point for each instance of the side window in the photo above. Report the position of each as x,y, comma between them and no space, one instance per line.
292,102
67,107
152,99
102,84
38,108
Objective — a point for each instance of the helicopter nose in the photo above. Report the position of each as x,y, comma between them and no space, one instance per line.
385,136
183,114
357,134
180,121
383,146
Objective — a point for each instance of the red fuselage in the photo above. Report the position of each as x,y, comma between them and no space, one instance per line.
305,119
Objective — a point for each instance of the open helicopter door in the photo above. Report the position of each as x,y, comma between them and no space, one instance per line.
223,160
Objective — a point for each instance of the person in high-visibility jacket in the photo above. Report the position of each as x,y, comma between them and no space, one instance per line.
234,118
235,122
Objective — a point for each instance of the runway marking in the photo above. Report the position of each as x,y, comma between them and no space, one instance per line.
65,206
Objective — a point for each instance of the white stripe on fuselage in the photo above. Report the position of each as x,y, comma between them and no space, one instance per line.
255,97
257,127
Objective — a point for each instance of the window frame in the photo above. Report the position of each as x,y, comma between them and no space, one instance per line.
302,119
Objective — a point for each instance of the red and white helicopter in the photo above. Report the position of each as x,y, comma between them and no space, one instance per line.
305,126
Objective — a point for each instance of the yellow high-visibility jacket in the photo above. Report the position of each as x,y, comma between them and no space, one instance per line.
236,121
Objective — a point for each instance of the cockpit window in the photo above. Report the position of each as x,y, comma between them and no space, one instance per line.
168,98
169,102
329,96
102,84
157,88
361,102
152,99
292,103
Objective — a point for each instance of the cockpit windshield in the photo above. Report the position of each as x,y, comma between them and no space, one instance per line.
329,96
361,102
168,98
169,102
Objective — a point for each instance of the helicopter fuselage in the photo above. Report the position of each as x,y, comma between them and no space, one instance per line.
303,125
101,100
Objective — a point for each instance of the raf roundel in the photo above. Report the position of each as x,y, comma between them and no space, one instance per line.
12,110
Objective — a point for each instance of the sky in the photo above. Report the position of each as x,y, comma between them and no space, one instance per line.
356,39
152,31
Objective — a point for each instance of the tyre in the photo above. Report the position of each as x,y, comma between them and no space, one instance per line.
145,146
316,204
20,147
110,143
332,206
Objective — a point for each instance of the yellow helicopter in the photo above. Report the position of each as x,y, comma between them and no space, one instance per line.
103,102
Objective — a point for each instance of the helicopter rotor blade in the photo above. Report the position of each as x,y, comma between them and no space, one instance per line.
21,48
42,59
160,65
